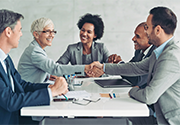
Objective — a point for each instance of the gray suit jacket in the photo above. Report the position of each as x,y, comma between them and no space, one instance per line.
163,85
34,65
74,54
139,80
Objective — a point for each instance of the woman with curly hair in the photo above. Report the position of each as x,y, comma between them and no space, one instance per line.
85,52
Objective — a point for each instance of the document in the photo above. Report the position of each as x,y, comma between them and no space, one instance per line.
76,94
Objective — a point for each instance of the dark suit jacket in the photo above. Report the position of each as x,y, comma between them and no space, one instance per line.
24,94
139,80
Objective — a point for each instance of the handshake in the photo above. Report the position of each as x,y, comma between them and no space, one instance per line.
94,69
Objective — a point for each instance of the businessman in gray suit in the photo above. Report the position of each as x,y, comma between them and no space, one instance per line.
162,67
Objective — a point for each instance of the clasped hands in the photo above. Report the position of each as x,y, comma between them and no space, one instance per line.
60,86
94,69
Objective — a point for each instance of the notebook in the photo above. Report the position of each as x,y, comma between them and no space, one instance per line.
113,83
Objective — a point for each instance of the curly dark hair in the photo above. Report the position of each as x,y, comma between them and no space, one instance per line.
96,21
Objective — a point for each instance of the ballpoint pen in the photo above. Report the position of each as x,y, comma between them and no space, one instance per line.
65,97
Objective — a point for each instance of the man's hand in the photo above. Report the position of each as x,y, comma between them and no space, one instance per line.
97,72
60,87
94,70
114,58
97,64
136,87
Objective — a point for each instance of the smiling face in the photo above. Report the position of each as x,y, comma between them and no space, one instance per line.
140,39
45,39
87,33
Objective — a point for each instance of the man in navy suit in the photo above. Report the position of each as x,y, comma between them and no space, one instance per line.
16,93
143,50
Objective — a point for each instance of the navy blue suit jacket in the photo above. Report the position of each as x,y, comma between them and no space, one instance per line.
25,94
139,80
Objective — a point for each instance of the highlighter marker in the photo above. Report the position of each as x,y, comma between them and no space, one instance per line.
65,97
110,96
114,95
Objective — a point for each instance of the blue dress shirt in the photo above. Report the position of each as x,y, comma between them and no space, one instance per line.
159,50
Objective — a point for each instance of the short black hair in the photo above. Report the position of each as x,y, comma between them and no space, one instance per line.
96,21
164,17
8,19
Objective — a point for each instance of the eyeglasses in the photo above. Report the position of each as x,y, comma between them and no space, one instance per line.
146,26
48,32
84,101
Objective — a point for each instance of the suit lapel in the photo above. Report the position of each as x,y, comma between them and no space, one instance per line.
154,61
151,66
140,56
4,75
79,53
94,52
150,51
17,86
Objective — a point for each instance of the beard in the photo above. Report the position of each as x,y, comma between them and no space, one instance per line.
153,39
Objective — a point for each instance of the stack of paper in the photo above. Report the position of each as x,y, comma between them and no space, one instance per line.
76,94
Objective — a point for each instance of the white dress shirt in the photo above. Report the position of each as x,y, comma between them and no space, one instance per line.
3,56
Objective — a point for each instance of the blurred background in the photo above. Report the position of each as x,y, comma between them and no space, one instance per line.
120,19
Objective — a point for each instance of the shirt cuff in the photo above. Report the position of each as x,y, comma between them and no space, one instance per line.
50,94
121,62
104,67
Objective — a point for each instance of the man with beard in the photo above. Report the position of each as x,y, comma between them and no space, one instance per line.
162,67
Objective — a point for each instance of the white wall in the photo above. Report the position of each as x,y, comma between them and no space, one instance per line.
120,18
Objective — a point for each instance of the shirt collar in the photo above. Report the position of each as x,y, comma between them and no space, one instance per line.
159,50
3,56
147,50
35,42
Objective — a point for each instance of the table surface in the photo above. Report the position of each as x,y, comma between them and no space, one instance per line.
123,106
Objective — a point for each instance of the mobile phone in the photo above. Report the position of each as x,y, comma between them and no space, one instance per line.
56,100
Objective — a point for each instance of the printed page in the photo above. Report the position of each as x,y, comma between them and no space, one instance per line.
76,94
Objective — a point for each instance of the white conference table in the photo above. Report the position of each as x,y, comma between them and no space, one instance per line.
123,106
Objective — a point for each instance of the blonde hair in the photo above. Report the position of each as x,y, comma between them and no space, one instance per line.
39,24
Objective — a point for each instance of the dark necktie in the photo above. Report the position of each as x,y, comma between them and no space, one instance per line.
8,71
141,55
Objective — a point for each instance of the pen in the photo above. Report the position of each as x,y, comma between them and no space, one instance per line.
65,97
110,96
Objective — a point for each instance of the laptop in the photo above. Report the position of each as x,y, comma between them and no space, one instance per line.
113,83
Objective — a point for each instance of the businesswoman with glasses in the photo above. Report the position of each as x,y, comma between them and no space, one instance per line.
34,64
